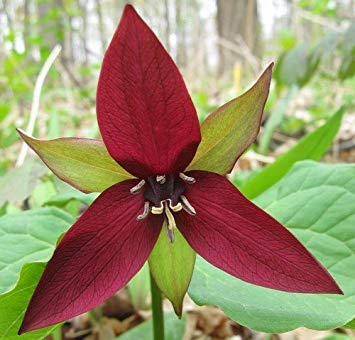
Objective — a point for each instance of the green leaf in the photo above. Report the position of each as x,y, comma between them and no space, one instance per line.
316,202
83,163
139,288
42,194
174,329
28,175
275,119
347,65
14,303
28,236
326,47
67,193
172,265
297,66
312,146
228,131
350,324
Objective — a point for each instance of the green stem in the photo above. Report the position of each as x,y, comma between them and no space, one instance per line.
157,308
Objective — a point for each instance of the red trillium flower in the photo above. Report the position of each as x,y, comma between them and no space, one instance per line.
150,127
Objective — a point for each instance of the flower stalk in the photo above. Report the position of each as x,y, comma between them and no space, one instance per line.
157,309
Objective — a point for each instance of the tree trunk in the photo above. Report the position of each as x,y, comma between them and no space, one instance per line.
180,34
84,34
103,41
26,24
167,24
237,22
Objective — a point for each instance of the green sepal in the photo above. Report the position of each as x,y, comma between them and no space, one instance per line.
172,265
232,128
83,163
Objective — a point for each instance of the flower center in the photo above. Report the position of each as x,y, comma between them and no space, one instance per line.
163,194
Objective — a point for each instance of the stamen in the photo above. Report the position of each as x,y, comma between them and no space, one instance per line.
157,210
137,187
174,208
145,212
187,206
161,179
186,178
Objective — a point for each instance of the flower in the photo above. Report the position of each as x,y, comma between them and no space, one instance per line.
150,127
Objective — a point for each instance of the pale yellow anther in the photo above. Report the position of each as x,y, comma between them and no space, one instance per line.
174,208
157,210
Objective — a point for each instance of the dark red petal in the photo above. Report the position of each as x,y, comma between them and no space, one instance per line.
236,236
145,114
97,257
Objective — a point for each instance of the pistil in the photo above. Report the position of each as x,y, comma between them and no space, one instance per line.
163,194
171,224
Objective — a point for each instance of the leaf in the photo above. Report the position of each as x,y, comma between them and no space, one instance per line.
66,193
327,45
275,119
172,265
83,163
312,146
297,66
347,65
42,194
316,202
14,303
350,324
228,131
28,175
139,288
28,236
174,329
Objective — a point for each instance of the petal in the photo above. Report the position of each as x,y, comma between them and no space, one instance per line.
83,163
97,257
145,114
236,236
